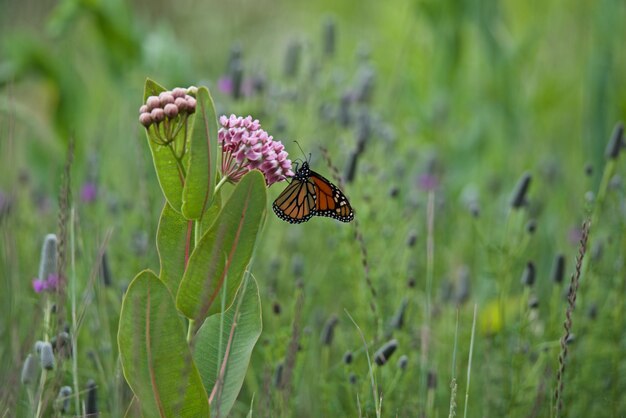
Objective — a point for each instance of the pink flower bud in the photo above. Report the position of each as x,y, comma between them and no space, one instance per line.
157,114
143,109
170,110
165,98
145,119
181,103
191,104
153,102
179,92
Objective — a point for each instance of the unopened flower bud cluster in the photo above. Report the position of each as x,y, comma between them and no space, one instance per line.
168,104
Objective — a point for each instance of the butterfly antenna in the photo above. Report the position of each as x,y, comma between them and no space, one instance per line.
301,150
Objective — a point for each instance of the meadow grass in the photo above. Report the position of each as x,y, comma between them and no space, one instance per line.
432,112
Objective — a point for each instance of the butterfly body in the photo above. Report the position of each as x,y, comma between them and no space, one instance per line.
310,194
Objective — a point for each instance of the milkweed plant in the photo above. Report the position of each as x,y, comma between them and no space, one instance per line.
186,333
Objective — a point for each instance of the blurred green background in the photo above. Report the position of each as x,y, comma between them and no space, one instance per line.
451,101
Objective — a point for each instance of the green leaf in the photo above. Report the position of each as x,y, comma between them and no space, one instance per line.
156,359
151,88
235,344
201,169
211,214
174,245
224,251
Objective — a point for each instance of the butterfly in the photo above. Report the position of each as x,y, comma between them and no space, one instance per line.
309,194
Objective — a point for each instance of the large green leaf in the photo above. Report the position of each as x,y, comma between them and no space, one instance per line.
224,251
174,245
170,171
156,359
201,169
211,214
240,331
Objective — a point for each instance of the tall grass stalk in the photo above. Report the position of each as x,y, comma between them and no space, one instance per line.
469,364
73,291
453,384
567,325
377,405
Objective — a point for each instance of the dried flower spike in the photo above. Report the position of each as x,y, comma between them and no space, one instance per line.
91,406
558,269
616,143
46,356
29,370
329,330
528,276
521,189
384,353
63,398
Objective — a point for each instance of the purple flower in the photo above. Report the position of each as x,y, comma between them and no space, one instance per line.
225,85
49,284
245,147
427,182
88,192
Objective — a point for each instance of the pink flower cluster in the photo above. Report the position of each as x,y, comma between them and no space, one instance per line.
245,147
48,284
167,104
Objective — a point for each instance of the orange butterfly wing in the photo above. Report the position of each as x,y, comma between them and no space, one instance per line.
296,203
330,200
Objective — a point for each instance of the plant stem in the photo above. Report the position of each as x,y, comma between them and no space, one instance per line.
190,330
222,181
74,324
469,364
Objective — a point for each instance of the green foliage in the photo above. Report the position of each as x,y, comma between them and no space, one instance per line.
224,251
198,188
174,243
160,371
229,336
156,360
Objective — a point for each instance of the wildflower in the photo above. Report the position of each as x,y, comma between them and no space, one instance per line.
63,398
428,182
384,353
329,37
528,276
88,192
46,356
169,111
245,147
328,331
521,189
91,405
616,143
403,362
48,284
29,370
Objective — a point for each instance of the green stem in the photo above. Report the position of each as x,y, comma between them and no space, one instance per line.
190,330
179,161
74,318
222,181
42,379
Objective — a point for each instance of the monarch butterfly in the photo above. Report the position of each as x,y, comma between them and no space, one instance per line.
310,194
